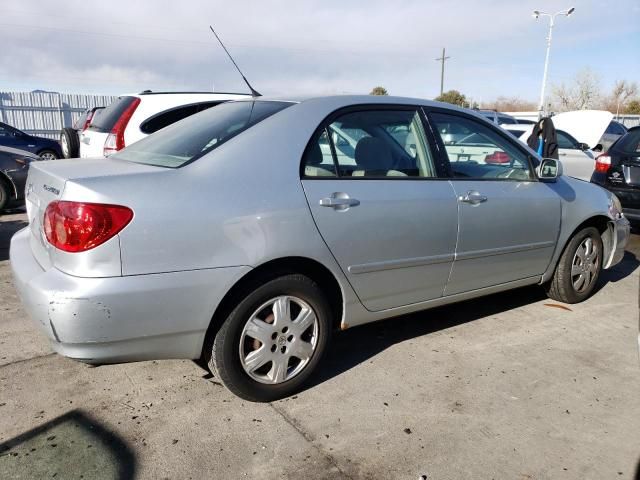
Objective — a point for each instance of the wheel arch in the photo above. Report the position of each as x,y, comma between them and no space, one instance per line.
273,269
603,224
6,180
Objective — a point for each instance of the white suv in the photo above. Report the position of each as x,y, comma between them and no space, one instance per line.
133,117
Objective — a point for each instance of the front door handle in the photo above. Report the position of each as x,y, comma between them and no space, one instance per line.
339,201
472,197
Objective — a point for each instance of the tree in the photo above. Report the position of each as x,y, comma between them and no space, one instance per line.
379,91
633,107
511,104
454,97
583,93
622,92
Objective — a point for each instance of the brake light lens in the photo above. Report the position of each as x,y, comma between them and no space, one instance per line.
115,140
497,157
78,227
603,163
87,121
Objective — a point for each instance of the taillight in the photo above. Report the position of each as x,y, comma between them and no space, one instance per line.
603,163
87,121
115,140
497,157
77,227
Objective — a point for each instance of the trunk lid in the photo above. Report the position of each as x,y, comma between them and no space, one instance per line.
587,126
47,181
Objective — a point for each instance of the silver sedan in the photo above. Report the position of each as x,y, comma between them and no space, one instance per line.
247,234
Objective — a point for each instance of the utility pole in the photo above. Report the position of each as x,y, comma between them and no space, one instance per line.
442,60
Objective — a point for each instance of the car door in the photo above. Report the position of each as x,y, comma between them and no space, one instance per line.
575,162
385,211
508,220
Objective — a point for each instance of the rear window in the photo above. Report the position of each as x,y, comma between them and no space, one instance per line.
110,115
163,119
195,136
630,143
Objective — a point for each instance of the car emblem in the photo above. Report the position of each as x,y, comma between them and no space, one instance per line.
53,190
615,174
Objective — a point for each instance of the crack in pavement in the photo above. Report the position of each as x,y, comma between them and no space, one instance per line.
309,438
24,360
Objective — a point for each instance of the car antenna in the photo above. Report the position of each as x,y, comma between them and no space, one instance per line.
253,92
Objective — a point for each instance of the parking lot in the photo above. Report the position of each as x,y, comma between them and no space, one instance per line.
508,386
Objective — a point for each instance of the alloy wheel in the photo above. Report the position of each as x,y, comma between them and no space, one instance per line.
585,265
278,340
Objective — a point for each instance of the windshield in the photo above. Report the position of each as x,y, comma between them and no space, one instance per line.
195,136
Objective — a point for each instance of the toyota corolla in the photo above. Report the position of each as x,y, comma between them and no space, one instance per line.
248,233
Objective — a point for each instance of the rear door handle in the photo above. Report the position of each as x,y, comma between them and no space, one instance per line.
339,201
472,197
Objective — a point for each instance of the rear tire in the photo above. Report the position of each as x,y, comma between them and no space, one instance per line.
578,269
70,143
273,340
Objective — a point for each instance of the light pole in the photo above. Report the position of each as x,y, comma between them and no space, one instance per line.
537,14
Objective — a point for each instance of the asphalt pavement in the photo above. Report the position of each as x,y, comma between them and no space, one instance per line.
510,386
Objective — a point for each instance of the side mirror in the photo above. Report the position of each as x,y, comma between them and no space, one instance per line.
583,146
549,170
597,148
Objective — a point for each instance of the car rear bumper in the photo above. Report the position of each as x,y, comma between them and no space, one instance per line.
120,319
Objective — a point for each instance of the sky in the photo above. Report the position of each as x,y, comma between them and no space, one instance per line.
298,47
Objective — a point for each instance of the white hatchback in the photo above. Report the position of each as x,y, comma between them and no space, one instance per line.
133,117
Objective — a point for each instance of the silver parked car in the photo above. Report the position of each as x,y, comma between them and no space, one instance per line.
241,235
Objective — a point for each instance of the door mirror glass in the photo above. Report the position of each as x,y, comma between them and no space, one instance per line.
550,169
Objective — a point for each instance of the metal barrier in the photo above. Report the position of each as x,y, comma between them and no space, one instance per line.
46,113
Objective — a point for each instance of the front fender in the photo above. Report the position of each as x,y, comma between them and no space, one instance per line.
581,202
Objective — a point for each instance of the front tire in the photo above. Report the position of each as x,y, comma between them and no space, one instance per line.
273,340
578,269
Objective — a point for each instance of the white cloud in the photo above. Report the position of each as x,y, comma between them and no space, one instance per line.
289,47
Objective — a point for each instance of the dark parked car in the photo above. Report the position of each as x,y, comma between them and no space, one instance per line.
14,166
45,148
618,170
70,136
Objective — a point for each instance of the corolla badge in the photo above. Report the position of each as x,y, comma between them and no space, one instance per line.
53,190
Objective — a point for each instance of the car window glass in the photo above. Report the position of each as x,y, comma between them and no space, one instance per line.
564,141
374,144
506,121
630,143
477,151
197,135
162,119
318,160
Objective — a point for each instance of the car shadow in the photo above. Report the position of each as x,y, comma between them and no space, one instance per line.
373,338
73,445
7,229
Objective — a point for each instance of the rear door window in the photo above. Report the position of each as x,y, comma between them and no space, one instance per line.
371,144
105,121
163,119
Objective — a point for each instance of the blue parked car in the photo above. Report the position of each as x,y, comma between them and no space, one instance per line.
45,148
